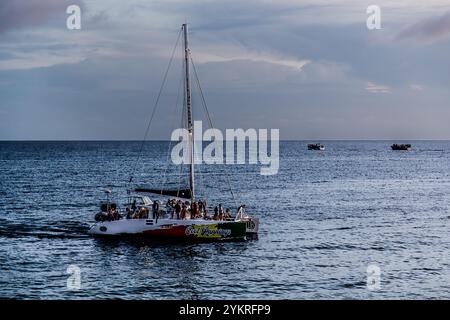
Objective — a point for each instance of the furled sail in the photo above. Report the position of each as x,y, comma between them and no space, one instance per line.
182,193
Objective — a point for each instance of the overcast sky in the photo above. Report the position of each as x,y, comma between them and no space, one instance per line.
310,68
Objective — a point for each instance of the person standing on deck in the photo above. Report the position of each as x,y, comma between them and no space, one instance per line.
155,208
170,207
205,208
183,211
227,215
128,213
201,209
221,212
178,209
216,213
194,211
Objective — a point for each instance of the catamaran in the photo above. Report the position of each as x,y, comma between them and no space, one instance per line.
183,216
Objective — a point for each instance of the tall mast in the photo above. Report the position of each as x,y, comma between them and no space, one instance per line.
189,111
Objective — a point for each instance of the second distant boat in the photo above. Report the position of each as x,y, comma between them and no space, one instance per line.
403,147
316,146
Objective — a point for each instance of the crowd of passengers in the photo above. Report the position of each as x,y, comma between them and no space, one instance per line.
174,208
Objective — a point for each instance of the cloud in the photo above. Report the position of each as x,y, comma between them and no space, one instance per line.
237,14
275,59
310,59
428,30
39,59
377,88
28,49
16,14
416,87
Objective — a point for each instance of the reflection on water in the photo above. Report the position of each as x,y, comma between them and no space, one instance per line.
184,265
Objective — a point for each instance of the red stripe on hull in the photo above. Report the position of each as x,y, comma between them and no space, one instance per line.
175,232
219,231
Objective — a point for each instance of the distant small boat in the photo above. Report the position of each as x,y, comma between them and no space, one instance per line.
316,146
404,147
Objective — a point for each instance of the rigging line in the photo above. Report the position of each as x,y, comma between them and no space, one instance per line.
155,107
201,93
211,125
173,125
201,189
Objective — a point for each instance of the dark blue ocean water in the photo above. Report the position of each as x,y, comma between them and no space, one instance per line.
325,217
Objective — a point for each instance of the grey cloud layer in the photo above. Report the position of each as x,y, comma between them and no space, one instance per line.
428,30
16,14
310,68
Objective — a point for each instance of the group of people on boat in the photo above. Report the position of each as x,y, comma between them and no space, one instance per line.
184,210
108,212
174,208
195,210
